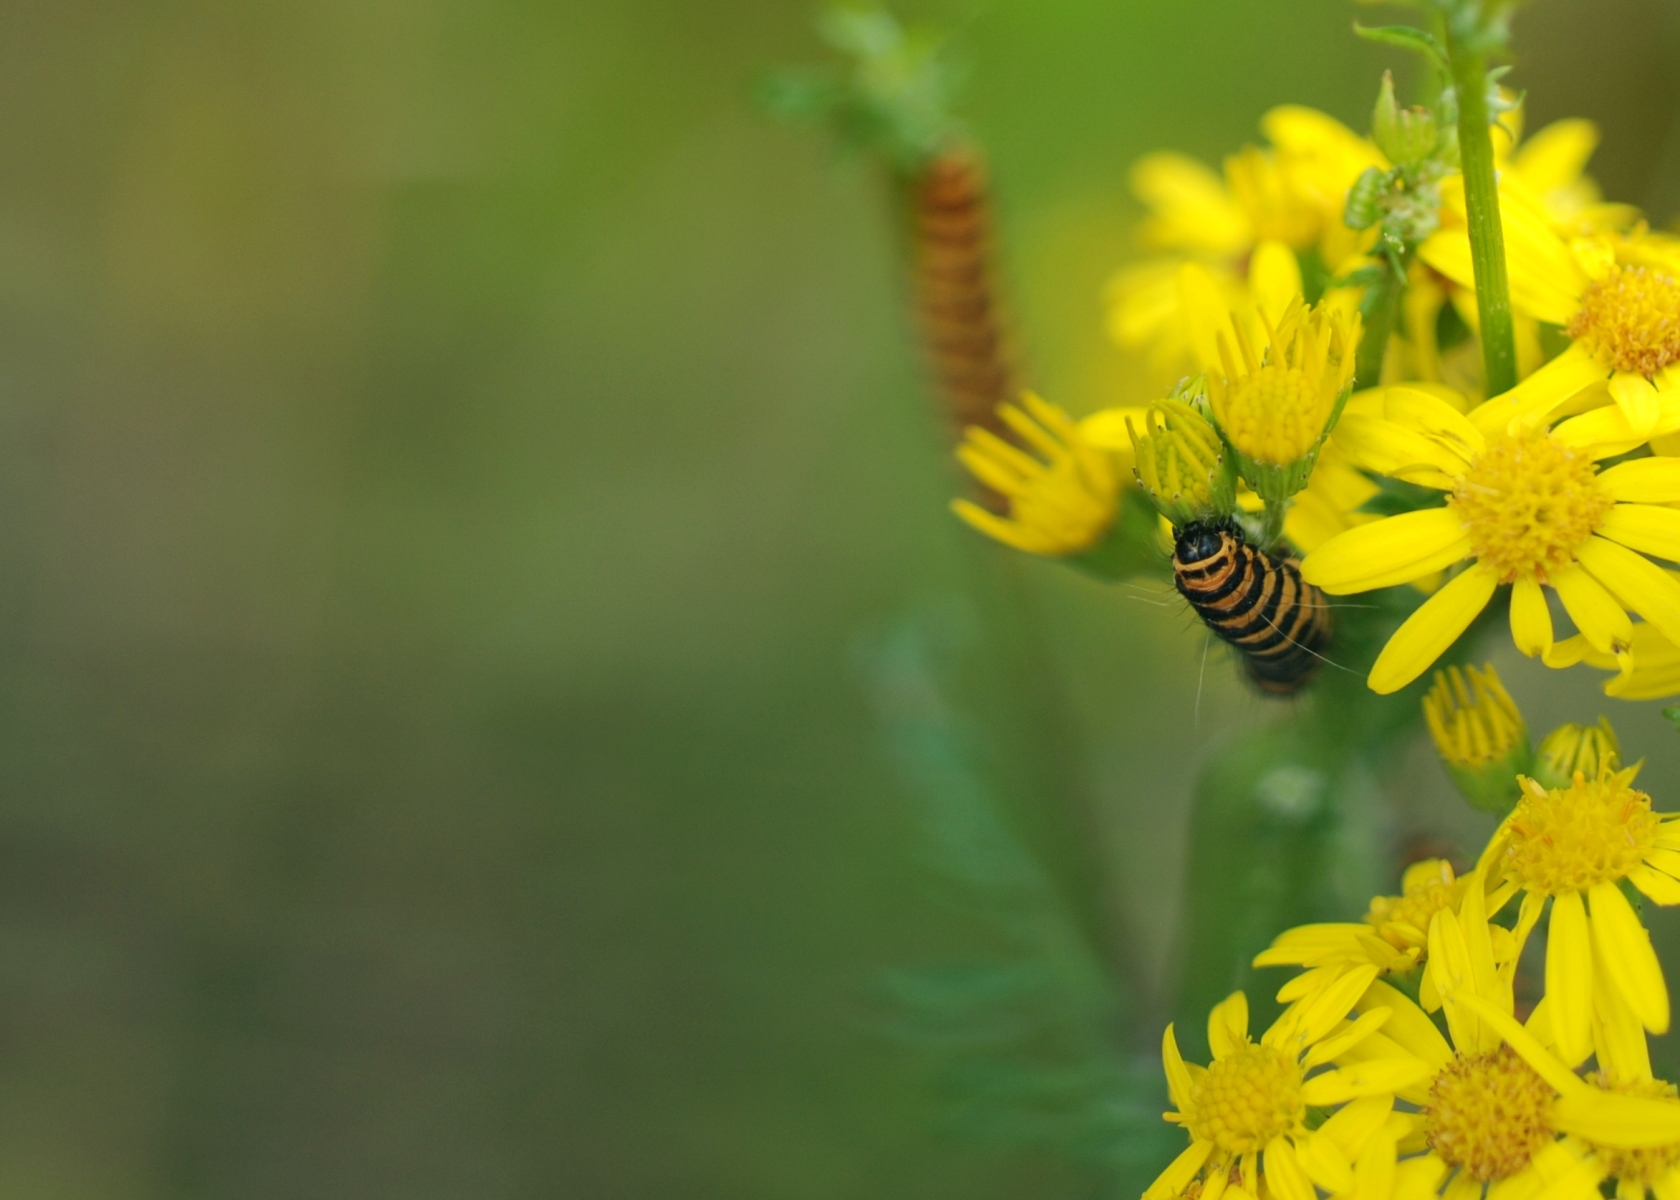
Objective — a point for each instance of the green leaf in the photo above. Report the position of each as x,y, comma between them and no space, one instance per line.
1397,496
1407,38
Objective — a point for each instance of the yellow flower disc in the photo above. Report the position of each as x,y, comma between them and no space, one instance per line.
1642,1167
1488,1113
1246,1099
1630,320
1275,415
1528,504
1570,839
1403,921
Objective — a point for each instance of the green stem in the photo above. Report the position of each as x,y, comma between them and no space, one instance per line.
1377,309
1487,236
1271,522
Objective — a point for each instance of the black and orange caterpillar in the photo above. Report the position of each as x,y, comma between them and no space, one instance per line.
1257,602
955,287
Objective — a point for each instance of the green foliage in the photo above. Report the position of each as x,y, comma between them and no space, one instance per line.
893,97
1027,1037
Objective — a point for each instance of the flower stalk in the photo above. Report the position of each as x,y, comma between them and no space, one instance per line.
1469,60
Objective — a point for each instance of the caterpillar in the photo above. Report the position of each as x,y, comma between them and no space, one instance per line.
1257,602
955,291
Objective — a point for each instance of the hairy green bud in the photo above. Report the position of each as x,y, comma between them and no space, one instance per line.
1182,464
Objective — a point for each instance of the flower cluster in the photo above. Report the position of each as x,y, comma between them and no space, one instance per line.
1400,1070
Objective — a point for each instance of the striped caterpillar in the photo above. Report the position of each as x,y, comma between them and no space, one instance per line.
1257,602
955,292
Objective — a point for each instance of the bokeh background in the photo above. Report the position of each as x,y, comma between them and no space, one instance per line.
463,476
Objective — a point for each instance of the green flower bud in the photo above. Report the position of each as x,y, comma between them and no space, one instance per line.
1480,736
1406,135
1182,464
1589,749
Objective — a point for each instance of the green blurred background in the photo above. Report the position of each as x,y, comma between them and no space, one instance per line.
458,464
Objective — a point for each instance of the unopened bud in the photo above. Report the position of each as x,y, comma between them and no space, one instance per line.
1182,464
1588,749
1406,135
1479,734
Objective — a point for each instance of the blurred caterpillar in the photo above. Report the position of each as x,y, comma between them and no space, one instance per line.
955,292
1255,601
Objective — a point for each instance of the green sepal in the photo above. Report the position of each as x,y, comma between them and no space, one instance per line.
1493,787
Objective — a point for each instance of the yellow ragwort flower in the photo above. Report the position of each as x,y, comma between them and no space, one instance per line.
1393,938
1181,464
1061,504
1617,297
1246,1112
1494,1105
1530,510
1479,734
1574,846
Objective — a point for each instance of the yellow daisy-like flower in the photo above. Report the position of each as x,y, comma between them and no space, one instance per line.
1650,671
1529,510
1232,241
1574,846
1246,1112
1618,298
1273,405
1550,167
1060,505
1495,1107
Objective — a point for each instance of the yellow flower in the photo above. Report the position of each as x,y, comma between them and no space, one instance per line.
1495,1106
1246,1112
1650,671
1275,405
1232,241
1574,846
1617,297
1530,510
1059,506
1479,734
1393,938
1181,464
1331,502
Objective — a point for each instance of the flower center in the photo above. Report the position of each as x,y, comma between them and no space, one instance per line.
1568,839
1528,504
1248,1098
1403,921
1274,415
1630,320
1638,1166
1488,1113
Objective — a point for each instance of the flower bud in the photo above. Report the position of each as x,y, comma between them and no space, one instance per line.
1567,749
1479,734
1182,464
1406,135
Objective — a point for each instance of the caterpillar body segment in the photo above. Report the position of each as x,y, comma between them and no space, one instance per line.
1255,601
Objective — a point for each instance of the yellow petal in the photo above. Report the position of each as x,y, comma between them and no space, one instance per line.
1653,480
1554,157
1352,1125
1389,448
1531,618
1205,313
1228,1025
1192,208
1602,621
1637,582
1387,552
1283,1172
1619,1120
1179,1084
1106,428
1324,1162
1667,1185
1637,399
1339,1043
1375,1171
1645,527
1407,1024
1569,978
1626,953
1181,1170
1434,627
1542,393
1433,417
1371,1077
1544,1062
1661,889
1274,278
1417,1178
